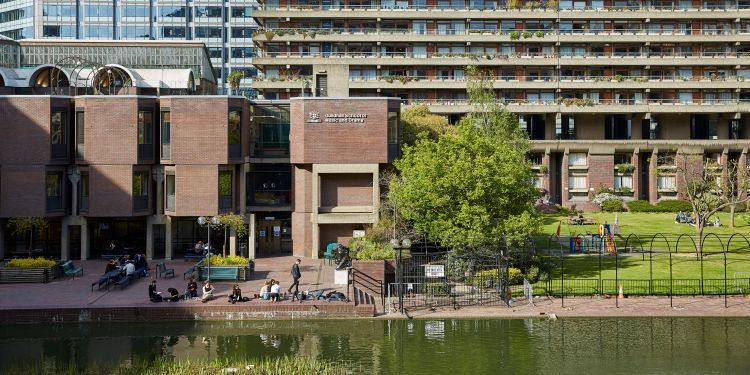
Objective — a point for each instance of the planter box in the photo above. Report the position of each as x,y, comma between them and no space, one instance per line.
381,270
29,275
244,271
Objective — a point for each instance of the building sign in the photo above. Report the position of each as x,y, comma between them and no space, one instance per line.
315,117
434,271
276,231
261,233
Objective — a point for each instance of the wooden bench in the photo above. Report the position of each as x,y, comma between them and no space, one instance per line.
221,273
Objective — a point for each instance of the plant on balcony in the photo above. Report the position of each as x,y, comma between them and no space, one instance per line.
624,191
269,35
540,34
514,35
543,169
515,4
24,225
526,34
552,4
617,78
474,31
625,168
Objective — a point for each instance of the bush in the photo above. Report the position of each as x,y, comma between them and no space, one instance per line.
232,260
31,263
363,249
487,278
532,274
601,198
435,288
640,206
612,205
663,206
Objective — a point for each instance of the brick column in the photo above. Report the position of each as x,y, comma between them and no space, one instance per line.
653,193
601,172
564,180
636,161
85,246
168,238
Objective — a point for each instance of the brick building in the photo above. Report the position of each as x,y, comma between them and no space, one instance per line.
133,166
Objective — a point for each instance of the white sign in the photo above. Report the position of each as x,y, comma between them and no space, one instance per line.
358,233
434,271
276,231
336,118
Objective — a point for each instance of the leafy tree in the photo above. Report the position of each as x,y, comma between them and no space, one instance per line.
234,78
470,187
234,222
23,225
417,120
737,181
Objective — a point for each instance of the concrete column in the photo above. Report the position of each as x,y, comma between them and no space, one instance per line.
315,245
635,160
150,237
725,166
168,238
376,194
74,175
65,238
2,239
653,192
565,193
232,238
158,176
251,236
85,246
245,168
546,181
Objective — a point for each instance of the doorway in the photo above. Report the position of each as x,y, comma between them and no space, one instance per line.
273,234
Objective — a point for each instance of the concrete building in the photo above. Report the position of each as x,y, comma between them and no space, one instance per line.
597,84
120,157
225,27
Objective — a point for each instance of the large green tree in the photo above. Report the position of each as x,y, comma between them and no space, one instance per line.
419,120
470,187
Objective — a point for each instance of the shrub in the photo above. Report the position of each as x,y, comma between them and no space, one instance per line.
514,35
38,262
563,210
600,198
540,34
363,249
487,278
612,205
435,288
232,260
674,206
532,274
625,168
526,34
640,206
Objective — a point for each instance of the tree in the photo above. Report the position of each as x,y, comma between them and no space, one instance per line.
708,191
736,182
417,120
234,222
470,187
22,225
234,78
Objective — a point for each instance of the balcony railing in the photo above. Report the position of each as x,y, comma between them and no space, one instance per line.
493,55
582,102
549,78
492,7
517,34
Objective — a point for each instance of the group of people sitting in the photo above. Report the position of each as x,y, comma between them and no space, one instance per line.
207,293
125,267
271,290
690,219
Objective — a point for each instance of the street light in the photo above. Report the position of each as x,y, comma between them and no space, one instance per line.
403,244
203,221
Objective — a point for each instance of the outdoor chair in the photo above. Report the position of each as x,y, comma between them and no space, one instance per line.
163,271
328,255
69,269
189,273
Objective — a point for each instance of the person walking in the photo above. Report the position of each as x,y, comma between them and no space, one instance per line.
296,274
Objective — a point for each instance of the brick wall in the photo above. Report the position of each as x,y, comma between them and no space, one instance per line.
301,234
338,190
199,130
111,130
196,190
110,192
24,130
335,142
22,190
302,175
340,233
601,172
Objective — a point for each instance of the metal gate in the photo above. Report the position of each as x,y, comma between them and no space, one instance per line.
450,278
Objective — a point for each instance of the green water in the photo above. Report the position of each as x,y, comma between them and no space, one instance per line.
446,346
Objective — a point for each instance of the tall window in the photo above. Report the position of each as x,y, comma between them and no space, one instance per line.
392,128
577,182
145,127
225,189
166,134
577,159
53,190
140,190
234,134
80,135
170,188
57,128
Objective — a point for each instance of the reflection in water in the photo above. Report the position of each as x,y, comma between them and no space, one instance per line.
645,345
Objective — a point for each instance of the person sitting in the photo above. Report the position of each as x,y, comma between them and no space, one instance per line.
129,269
153,295
265,290
192,289
208,291
579,219
199,248
275,294
680,218
717,222
111,266
141,264
236,294
174,295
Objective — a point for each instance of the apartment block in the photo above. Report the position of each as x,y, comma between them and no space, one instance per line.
608,90
226,27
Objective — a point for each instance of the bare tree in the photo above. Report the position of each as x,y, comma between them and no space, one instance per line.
709,190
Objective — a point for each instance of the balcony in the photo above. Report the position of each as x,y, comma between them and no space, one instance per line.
226,202
140,203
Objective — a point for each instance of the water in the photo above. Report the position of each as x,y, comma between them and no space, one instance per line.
454,346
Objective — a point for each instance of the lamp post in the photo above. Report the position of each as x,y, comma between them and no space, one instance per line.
400,245
207,222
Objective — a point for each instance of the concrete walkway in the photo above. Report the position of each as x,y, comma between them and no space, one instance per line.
68,292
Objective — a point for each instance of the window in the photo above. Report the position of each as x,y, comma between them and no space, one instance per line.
58,10
208,32
666,183
392,128
623,182
242,32
166,134
169,11
57,128
242,12
104,10
577,159
83,201
98,32
172,32
135,11
225,189
145,127
242,52
60,31
80,135
214,12
53,190
170,188
140,190
577,182
234,134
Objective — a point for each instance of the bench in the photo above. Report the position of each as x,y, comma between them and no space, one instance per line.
69,269
575,220
162,270
192,258
221,273
125,280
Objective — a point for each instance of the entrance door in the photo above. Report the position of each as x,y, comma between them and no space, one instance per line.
268,234
74,244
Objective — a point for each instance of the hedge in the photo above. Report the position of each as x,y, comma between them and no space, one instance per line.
662,206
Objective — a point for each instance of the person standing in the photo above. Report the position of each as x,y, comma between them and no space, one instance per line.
296,274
